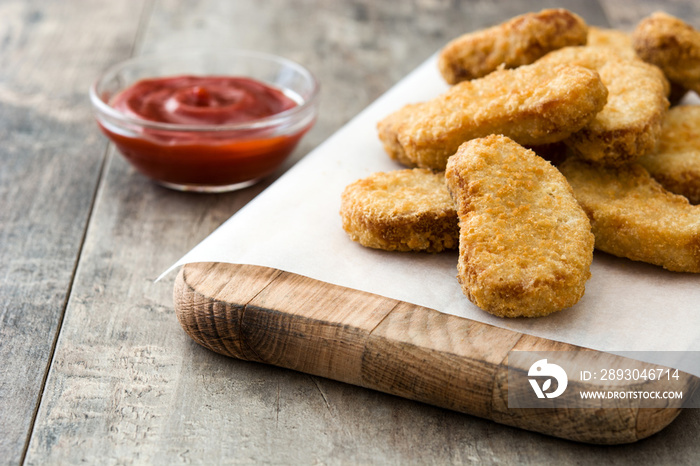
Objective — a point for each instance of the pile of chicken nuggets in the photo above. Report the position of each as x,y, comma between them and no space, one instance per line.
553,139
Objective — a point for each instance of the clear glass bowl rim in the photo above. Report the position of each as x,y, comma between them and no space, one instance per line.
274,120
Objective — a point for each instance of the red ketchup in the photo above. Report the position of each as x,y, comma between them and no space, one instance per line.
203,157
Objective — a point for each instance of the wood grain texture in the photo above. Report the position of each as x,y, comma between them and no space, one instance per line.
351,336
127,385
421,354
51,160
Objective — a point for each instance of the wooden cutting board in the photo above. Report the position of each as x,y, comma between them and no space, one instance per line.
287,320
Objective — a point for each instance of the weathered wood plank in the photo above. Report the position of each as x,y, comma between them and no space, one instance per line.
51,162
128,386
298,323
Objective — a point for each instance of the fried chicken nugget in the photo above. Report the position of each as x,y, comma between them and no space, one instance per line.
621,42
617,40
525,245
676,162
671,44
629,125
519,41
403,210
633,216
533,104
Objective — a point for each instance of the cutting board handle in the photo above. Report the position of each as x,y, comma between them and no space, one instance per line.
265,315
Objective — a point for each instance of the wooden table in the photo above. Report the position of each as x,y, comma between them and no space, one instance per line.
94,366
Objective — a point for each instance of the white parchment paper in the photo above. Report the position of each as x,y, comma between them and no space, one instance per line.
295,226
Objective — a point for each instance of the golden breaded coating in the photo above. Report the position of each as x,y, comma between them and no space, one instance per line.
676,162
621,42
613,38
671,44
403,210
519,41
525,245
633,216
533,104
629,125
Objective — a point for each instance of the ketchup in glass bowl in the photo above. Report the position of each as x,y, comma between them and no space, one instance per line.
206,121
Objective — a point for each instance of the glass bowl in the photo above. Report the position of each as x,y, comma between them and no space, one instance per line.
207,157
